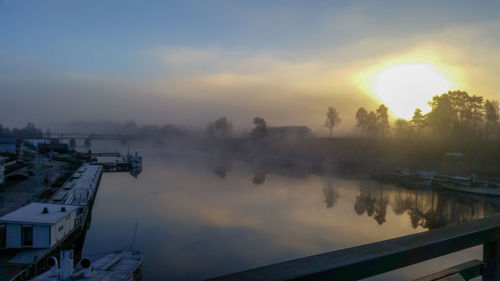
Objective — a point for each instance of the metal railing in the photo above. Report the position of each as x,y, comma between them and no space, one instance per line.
376,258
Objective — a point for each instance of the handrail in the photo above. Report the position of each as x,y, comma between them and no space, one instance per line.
380,257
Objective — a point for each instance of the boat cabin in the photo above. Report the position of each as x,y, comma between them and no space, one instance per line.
38,225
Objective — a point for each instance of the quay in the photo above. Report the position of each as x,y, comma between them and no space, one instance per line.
376,258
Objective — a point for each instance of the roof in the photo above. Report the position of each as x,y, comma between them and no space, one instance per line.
32,213
80,186
117,266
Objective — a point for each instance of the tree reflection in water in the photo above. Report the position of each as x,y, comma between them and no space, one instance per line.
371,200
331,194
427,208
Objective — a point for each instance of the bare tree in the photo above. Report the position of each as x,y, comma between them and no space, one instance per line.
332,119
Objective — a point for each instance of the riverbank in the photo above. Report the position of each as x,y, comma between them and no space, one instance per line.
359,156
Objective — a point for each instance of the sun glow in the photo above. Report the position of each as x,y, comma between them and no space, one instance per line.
408,86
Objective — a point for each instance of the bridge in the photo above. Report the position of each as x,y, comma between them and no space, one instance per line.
92,136
376,258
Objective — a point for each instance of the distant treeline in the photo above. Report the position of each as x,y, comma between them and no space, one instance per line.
104,127
454,114
124,128
30,131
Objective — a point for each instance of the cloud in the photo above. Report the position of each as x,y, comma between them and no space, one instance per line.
194,84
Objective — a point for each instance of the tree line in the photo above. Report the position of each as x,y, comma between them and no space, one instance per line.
30,131
454,114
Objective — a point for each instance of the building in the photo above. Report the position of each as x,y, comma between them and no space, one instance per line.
11,146
38,225
2,169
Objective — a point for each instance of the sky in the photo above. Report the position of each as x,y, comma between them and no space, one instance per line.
191,62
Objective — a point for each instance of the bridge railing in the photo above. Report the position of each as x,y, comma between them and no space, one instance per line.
376,258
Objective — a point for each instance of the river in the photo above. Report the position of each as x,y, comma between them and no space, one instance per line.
198,216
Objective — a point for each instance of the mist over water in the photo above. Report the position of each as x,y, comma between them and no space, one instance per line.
200,215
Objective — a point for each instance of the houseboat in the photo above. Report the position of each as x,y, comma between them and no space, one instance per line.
39,225
116,266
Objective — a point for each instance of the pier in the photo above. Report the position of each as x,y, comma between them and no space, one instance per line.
114,166
376,258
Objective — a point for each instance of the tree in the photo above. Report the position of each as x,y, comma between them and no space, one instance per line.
402,128
1,129
442,116
418,121
491,116
476,107
260,129
371,123
332,119
383,120
361,119
221,128
460,104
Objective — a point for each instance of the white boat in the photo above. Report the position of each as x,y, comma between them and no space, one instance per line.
478,190
116,266
133,160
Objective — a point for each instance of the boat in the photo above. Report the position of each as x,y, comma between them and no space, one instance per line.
478,190
133,160
405,177
116,266
468,185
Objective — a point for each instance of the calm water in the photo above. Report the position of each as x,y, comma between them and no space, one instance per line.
200,216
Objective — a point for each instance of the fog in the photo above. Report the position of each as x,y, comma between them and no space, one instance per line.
64,62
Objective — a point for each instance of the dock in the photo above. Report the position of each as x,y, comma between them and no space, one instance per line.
106,154
78,191
120,166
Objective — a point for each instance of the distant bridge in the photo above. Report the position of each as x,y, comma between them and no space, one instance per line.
85,136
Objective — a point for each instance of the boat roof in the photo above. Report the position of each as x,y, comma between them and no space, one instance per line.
117,266
32,213
82,180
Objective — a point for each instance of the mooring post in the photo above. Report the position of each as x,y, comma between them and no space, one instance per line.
491,259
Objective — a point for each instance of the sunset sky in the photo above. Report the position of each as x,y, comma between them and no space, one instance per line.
190,62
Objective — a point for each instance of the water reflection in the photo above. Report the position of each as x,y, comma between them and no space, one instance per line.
135,171
259,178
428,209
220,161
331,194
205,214
371,200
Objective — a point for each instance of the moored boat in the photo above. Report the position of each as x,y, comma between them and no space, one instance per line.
405,177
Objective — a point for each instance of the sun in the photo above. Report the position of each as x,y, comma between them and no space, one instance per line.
408,86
